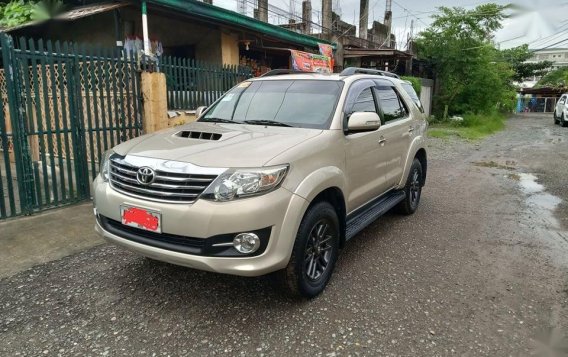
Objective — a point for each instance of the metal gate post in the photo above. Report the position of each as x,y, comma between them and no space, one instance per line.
24,167
77,124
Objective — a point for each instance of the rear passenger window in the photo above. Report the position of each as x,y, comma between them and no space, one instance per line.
365,102
390,103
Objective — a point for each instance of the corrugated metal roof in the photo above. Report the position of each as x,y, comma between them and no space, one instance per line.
74,14
89,10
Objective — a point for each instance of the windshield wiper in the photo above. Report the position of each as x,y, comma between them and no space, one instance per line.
267,122
219,120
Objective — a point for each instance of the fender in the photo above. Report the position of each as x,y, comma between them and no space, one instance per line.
417,144
319,180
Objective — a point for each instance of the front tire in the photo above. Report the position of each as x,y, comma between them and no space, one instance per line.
412,189
563,121
555,117
315,252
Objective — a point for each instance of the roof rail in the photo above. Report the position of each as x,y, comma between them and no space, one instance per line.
278,72
349,71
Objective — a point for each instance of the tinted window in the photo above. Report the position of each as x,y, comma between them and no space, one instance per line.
364,102
390,103
301,103
412,94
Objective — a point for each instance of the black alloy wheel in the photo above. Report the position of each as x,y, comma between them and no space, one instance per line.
315,252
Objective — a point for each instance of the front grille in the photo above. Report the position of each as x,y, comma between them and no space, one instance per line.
166,187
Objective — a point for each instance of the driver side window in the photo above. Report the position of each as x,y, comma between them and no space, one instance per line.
365,102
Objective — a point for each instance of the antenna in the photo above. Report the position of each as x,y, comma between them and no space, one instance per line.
242,7
292,8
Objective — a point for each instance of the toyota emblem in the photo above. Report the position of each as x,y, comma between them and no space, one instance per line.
145,175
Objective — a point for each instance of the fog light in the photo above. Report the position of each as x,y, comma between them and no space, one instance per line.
246,243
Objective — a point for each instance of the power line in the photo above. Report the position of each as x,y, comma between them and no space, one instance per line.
554,44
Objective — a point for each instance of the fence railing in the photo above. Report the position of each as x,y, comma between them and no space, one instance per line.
193,83
61,107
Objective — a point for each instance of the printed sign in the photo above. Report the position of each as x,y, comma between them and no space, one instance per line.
310,62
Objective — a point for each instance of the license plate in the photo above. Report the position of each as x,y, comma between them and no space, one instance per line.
141,218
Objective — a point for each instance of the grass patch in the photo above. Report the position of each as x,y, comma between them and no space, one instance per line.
472,127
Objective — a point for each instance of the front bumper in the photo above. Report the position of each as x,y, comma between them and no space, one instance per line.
279,210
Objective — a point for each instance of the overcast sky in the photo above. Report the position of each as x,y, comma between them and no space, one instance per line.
542,22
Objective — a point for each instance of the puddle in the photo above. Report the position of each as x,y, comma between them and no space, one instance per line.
528,183
542,203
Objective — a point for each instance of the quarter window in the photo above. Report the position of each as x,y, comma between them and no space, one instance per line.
390,103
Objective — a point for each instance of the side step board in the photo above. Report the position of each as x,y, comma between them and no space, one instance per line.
367,214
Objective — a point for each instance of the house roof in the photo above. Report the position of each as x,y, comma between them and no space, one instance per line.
228,17
74,14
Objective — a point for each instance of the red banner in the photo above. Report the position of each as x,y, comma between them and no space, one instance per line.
310,62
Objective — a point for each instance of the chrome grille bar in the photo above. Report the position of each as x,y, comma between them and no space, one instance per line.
168,186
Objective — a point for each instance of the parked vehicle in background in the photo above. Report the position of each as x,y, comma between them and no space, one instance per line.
275,176
561,111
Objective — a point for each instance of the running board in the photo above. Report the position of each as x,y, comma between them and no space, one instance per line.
367,214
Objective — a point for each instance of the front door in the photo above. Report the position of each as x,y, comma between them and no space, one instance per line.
366,154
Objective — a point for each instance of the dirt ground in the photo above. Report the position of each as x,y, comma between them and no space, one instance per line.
480,270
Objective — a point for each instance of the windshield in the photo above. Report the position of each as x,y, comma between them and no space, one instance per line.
298,103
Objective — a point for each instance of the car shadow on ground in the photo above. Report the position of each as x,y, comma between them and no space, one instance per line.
167,282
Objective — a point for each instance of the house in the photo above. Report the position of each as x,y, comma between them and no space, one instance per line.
181,28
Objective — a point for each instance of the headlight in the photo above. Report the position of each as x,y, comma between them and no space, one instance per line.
239,183
104,169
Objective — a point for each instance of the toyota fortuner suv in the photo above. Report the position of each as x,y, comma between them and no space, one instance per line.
275,176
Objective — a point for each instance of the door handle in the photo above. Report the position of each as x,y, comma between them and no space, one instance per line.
382,141
410,130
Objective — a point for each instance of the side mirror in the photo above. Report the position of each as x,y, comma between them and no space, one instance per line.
363,121
199,111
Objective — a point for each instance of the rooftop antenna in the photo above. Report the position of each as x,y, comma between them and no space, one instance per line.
242,7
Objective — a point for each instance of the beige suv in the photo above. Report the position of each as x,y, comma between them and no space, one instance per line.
275,176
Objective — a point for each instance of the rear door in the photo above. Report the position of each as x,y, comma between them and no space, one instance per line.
396,130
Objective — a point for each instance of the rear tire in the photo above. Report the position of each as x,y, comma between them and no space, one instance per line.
412,189
314,254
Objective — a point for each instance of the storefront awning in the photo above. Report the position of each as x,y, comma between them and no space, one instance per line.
228,17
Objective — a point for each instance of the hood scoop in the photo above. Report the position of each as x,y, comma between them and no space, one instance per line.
199,135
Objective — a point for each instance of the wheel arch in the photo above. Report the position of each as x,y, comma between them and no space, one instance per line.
421,156
335,197
418,151
326,183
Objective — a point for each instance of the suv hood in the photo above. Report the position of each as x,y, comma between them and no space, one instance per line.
218,144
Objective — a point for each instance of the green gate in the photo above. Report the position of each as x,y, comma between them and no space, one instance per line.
63,105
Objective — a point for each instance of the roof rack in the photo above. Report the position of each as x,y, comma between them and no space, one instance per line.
349,71
278,72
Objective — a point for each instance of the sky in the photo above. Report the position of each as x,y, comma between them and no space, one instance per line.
540,23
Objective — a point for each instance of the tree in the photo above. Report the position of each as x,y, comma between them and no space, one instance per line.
459,47
557,78
517,57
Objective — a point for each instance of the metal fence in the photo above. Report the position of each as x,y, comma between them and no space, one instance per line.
62,106
194,83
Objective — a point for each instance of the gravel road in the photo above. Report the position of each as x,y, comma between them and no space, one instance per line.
480,269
